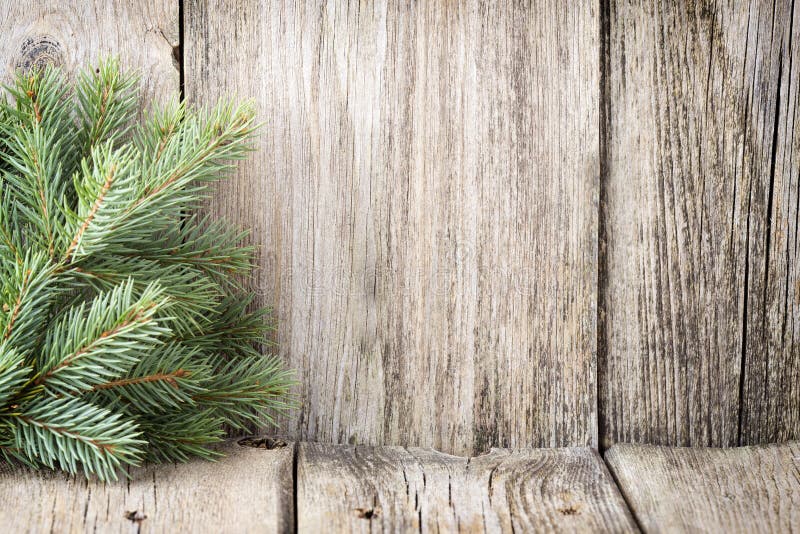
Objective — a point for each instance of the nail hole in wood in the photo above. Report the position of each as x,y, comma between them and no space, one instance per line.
569,510
135,516
367,513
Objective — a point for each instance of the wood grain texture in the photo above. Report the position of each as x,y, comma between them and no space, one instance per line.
424,194
747,489
77,33
248,491
700,224
393,489
771,381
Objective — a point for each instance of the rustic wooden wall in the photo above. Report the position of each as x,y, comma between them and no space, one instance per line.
425,197
700,289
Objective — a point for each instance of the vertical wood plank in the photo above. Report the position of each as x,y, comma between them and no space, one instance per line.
392,489
700,224
771,382
424,194
250,490
77,33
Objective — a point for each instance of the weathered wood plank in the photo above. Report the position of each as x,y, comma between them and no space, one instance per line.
748,489
700,224
251,490
368,489
771,388
425,198
77,33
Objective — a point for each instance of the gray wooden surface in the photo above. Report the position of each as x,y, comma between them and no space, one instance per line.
77,33
771,386
394,489
248,491
425,197
699,277
748,489
340,488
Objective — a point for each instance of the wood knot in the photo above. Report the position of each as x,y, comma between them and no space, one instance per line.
262,443
135,516
39,51
367,513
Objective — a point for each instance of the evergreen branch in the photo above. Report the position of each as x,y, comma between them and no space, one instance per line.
9,233
200,243
247,391
33,158
106,102
107,187
87,347
170,378
27,293
164,379
71,433
38,154
9,452
87,219
177,436
13,375
201,147
235,331
192,297
125,331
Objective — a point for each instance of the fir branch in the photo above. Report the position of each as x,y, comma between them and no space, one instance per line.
86,220
125,331
164,379
27,292
87,347
10,235
13,375
193,297
71,433
38,139
177,436
247,391
201,243
106,102
107,187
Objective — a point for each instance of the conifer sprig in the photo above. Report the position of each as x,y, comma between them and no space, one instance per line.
125,333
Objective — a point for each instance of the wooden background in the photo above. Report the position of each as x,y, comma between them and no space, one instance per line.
519,224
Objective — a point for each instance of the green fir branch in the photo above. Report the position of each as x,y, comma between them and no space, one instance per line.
125,329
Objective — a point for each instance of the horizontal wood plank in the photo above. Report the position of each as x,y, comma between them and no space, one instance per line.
747,489
394,489
250,490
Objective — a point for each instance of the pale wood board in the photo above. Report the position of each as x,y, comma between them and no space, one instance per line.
75,34
699,232
394,489
250,490
424,195
747,489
